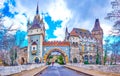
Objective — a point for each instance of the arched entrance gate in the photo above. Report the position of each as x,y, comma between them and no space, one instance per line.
56,50
61,47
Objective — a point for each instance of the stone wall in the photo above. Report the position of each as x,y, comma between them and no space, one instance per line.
104,68
16,69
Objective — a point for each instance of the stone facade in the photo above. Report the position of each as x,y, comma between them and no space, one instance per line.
85,44
79,43
22,56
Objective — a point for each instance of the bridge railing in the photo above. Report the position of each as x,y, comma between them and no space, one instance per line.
104,68
7,70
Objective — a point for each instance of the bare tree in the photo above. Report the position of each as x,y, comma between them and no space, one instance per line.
115,16
7,40
114,36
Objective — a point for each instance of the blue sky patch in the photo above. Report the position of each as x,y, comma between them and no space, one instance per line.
52,26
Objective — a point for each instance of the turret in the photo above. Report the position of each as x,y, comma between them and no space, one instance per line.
28,24
66,34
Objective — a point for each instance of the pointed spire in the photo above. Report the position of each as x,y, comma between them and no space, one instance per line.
37,9
28,22
97,25
66,30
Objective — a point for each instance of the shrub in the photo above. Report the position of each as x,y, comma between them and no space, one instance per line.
86,62
48,63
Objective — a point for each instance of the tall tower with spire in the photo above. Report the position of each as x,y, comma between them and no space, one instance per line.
66,34
97,32
36,35
37,10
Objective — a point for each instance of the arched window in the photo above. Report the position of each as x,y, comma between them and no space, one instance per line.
75,60
85,58
73,44
76,44
90,57
23,60
36,60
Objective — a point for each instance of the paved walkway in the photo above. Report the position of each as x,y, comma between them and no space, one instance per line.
59,70
30,72
91,72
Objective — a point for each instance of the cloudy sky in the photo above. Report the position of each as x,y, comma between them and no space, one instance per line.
57,14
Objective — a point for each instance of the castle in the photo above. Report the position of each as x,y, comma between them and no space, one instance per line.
79,43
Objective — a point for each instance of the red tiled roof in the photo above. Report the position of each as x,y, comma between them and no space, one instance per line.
73,33
81,32
56,43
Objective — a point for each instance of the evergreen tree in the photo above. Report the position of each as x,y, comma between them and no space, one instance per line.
105,57
97,57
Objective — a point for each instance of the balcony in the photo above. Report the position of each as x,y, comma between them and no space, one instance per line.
34,52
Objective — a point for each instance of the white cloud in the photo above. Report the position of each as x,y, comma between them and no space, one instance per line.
46,25
21,22
1,3
56,39
106,28
58,10
60,33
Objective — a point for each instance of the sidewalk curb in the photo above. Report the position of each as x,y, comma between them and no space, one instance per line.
31,72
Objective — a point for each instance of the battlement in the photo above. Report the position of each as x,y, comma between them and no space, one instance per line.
56,43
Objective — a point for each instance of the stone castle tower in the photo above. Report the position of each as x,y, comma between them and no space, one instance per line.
36,35
97,32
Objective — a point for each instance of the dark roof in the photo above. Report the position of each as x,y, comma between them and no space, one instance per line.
80,32
35,26
34,43
97,25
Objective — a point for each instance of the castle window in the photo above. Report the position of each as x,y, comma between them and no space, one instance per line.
25,50
33,48
85,58
37,30
31,31
90,57
31,40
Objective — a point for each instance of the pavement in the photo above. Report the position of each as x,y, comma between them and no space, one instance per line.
31,72
63,70
59,70
91,71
